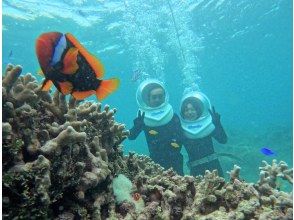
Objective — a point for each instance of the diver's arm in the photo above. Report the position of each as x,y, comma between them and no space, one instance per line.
134,132
219,133
138,126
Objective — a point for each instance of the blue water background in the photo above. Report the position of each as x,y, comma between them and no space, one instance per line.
243,60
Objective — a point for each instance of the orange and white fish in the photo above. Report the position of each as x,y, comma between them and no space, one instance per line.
71,68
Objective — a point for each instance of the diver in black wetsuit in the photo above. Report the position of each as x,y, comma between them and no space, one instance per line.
200,124
161,126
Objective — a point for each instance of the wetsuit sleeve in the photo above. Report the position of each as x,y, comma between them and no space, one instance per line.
135,131
219,133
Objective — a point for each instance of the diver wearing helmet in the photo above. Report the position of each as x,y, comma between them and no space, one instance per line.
200,124
160,124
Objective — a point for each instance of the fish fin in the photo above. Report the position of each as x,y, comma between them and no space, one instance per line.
65,87
70,65
46,85
80,95
94,63
106,87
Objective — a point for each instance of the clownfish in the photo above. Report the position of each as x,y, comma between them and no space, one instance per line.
71,68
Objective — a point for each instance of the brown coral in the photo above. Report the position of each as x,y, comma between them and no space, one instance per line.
39,130
60,157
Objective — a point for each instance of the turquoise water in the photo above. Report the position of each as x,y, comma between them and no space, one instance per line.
239,53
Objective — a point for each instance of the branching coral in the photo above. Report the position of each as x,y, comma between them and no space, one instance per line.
234,174
55,149
11,75
270,173
60,157
58,106
21,89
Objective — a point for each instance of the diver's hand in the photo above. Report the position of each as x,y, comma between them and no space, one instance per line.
139,121
215,116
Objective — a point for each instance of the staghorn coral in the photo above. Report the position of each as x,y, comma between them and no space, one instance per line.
60,157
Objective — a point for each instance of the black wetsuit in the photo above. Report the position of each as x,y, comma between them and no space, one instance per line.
203,147
163,143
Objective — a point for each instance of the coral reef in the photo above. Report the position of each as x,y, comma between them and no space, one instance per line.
170,196
56,153
60,158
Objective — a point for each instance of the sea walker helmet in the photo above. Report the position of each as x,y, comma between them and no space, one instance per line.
154,116
202,126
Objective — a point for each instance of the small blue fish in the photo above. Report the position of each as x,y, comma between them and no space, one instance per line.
267,151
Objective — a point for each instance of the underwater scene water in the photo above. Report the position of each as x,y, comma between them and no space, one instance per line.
238,53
